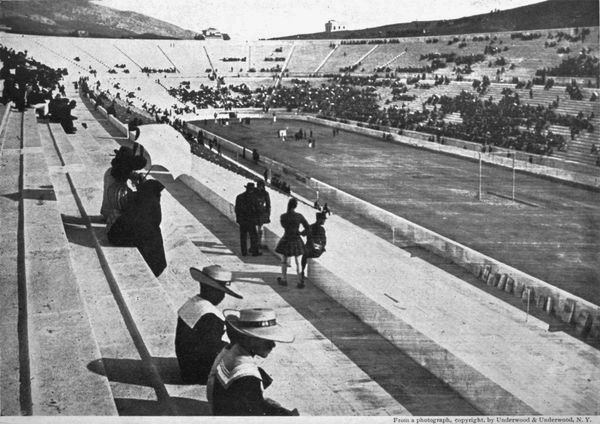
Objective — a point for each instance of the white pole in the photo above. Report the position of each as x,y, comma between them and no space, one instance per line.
513,179
479,191
528,300
393,235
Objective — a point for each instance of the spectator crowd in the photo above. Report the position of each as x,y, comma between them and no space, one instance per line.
29,83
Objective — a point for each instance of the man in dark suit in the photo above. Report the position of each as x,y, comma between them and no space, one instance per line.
246,217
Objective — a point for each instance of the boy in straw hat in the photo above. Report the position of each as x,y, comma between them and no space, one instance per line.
200,325
235,383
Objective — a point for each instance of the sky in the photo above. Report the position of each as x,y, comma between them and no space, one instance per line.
254,19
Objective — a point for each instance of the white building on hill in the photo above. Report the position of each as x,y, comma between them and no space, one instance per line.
331,26
212,33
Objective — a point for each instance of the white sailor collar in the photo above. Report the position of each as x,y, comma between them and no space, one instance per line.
236,363
195,308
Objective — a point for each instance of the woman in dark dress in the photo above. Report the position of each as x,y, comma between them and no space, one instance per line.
116,189
139,226
291,244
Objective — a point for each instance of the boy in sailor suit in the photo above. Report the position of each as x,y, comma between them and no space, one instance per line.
200,325
236,383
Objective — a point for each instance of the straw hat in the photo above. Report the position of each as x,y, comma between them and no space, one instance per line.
258,322
216,277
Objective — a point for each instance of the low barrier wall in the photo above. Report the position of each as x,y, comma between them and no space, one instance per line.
118,125
102,111
555,300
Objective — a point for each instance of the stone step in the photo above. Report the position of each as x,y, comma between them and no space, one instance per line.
120,361
142,302
169,291
10,276
60,338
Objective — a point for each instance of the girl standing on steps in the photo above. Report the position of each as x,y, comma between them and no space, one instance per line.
291,244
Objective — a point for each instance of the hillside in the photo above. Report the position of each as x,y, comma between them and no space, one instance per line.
63,17
547,14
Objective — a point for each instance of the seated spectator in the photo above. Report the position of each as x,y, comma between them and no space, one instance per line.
112,110
139,226
133,127
116,193
55,106
59,110
39,98
200,325
10,90
116,189
236,383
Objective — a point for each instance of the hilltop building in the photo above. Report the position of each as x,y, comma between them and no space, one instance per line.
331,26
212,33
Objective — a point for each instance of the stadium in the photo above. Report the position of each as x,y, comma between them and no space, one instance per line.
456,163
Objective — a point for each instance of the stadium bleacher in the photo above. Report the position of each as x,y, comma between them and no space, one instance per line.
345,56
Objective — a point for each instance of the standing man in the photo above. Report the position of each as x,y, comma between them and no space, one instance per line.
200,325
245,216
